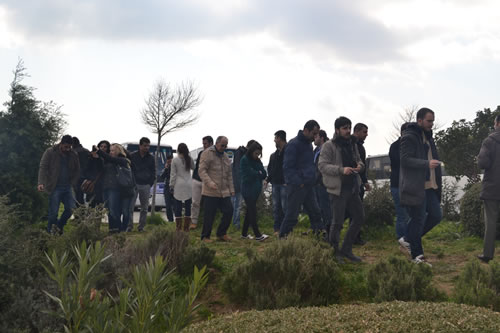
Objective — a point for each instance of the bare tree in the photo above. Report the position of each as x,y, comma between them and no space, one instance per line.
167,110
408,114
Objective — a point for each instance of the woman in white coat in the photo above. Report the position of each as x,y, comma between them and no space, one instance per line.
181,186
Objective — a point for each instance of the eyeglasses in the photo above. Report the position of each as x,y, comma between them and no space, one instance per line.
223,146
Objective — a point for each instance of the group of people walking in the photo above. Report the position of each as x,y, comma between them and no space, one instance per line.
327,183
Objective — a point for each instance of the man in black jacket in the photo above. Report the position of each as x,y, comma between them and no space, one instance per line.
401,213
420,181
144,169
276,178
83,158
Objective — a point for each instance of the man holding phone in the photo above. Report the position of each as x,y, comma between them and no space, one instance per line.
340,165
420,181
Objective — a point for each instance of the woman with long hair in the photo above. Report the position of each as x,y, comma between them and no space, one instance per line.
252,174
117,199
181,186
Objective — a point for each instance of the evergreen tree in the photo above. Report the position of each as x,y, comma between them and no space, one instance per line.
27,128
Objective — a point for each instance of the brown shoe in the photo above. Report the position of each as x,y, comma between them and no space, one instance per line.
224,238
178,223
187,223
193,226
207,240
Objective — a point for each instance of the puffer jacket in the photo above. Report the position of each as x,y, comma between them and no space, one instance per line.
215,169
331,166
50,164
298,163
489,160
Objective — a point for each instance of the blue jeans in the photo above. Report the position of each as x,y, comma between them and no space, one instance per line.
60,194
324,204
235,201
423,218
279,205
178,208
297,196
401,214
118,209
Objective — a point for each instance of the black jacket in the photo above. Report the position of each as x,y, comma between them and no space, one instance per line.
362,156
489,160
414,169
298,163
275,167
395,163
197,166
238,155
110,174
143,168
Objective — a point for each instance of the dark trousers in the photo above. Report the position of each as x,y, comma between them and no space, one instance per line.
279,205
79,195
169,204
351,202
178,207
296,197
210,206
423,218
251,218
324,204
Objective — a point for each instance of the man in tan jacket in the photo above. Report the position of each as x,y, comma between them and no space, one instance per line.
217,189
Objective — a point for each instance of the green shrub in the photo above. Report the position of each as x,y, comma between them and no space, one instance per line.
155,219
380,317
198,256
86,226
449,202
149,303
293,272
378,205
479,286
22,300
167,243
398,279
472,212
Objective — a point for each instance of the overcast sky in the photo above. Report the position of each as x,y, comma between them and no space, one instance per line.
260,65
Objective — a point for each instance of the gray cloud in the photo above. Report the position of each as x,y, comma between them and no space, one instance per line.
313,26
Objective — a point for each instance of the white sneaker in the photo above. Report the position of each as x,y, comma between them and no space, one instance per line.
404,244
421,260
262,238
247,237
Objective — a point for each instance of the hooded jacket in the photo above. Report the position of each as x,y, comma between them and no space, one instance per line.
50,165
215,169
489,160
298,162
414,168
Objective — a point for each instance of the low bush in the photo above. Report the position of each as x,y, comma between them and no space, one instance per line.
398,279
381,317
472,212
478,285
195,256
293,272
449,201
155,219
379,207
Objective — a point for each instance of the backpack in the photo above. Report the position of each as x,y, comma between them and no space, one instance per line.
125,180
